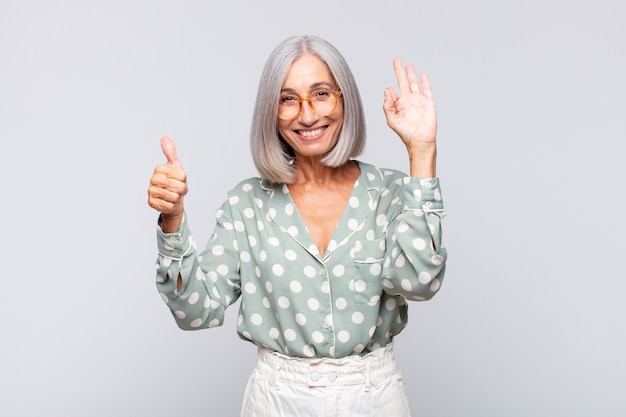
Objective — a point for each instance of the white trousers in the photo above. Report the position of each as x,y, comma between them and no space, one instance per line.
355,386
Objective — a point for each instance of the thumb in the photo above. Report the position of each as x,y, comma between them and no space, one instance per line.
389,102
169,150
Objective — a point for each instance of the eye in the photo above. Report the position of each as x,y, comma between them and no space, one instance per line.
322,95
288,100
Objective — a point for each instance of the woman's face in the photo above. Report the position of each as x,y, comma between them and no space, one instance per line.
309,134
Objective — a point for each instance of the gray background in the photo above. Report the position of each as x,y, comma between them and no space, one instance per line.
530,94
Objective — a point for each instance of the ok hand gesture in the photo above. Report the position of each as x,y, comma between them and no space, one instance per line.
413,116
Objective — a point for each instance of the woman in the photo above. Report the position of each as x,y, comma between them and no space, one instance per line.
323,250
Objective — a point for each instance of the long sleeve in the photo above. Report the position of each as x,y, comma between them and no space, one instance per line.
415,259
210,281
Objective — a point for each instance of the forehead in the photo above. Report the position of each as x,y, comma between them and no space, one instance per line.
306,71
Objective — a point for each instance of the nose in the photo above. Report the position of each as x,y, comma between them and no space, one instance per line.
307,116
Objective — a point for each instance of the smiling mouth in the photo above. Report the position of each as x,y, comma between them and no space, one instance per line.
311,133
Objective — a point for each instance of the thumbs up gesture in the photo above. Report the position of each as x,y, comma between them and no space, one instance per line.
168,186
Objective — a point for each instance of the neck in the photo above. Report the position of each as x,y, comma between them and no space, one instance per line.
313,172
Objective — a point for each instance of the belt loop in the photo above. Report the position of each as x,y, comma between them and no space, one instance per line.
274,380
366,371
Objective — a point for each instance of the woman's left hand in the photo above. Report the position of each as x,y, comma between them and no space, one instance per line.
412,115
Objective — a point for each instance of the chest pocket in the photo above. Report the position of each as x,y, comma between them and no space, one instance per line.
365,283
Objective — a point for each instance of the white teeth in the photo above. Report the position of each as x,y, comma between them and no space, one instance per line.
311,133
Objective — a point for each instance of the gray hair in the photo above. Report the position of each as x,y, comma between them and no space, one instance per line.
272,156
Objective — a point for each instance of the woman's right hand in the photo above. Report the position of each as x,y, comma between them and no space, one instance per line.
168,187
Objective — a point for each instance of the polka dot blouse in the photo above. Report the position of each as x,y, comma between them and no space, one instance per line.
350,300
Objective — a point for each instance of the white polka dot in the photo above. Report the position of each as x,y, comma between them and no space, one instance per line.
295,286
258,202
289,209
376,269
293,231
193,298
424,278
309,271
268,287
246,187
266,302
164,298
256,319
222,269
219,214
341,303
239,226
339,270
400,261
244,256
357,318
290,335
180,314
406,285
290,255
391,304
283,302
435,284
260,225
354,202
358,348
250,288
403,227
353,224
374,300
233,200
217,250
252,241
200,274
325,287
273,241
196,323
301,319
381,219
359,285
313,304
274,333
437,260
419,243
216,293
417,194
272,213
214,323
308,351
249,213
262,255
317,336
278,270
343,336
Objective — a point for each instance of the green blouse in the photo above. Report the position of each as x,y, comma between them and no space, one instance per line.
350,300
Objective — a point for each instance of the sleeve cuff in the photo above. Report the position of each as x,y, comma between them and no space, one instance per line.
176,245
422,194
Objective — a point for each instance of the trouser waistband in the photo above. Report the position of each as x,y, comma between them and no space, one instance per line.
321,372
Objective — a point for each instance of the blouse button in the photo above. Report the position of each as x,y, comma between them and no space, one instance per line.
322,272
332,377
315,377
174,253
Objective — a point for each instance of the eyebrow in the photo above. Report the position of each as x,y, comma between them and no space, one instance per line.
311,87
